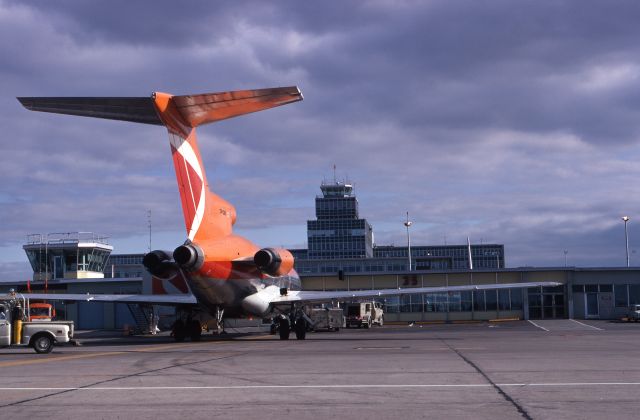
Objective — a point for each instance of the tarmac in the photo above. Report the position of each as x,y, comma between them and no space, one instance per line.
548,369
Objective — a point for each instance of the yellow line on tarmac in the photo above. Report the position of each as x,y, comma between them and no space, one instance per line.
150,348
258,337
24,362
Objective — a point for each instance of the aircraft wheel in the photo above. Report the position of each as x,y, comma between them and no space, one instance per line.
195,330
179,332
301,329
43,344
284,328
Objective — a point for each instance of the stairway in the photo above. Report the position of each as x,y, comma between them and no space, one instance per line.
142,317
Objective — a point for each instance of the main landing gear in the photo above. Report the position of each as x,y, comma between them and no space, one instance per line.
186,326
296,321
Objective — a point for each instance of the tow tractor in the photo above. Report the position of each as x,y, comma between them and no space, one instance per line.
18,328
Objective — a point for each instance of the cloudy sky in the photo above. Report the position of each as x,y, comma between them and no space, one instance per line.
508,122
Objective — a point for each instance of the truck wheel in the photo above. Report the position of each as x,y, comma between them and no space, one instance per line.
284,328
179,331
42,344
301,329
195,330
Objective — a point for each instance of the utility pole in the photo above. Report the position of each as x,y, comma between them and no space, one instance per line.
407,224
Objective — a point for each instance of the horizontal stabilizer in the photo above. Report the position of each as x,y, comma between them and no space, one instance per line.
211,107
195,110
140,110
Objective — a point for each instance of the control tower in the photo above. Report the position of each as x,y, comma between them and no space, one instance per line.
72,255
338,231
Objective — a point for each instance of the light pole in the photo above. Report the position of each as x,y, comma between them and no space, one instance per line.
625,219
407,224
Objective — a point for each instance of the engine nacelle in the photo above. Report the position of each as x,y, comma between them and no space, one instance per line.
274,261
160,264
189,256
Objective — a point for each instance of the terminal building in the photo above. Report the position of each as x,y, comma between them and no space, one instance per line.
339,241
342,255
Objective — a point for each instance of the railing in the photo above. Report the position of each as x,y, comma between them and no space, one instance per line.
66,238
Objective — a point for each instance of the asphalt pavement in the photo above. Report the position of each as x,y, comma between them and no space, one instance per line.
540,370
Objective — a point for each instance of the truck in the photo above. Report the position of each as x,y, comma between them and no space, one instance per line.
633,313
364,314
330,319
17,330
41,311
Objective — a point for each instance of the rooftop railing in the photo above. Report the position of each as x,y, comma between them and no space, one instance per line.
66,238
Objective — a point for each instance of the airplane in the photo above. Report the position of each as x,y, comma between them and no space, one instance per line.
225,274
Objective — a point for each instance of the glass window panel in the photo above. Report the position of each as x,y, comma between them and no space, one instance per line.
454,302
621,296
606,288
591,288
577,288
478,300
491,299
465,301
405,303
503,300
634,294
535,299
416,303
440,302
516,299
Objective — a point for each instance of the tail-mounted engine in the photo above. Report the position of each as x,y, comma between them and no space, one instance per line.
274,261
160,264
189,256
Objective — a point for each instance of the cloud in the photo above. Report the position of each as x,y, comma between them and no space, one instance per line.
510,124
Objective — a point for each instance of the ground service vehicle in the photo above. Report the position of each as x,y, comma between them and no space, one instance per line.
364,314
634,313
331,319
40,335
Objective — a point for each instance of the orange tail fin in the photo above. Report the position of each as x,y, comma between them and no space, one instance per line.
206,214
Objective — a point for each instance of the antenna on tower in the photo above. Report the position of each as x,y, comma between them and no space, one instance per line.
149,224
334,174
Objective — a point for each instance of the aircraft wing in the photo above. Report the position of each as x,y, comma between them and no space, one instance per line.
171,300
320,296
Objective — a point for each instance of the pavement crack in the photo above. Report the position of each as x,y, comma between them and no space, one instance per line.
65,391
500,391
